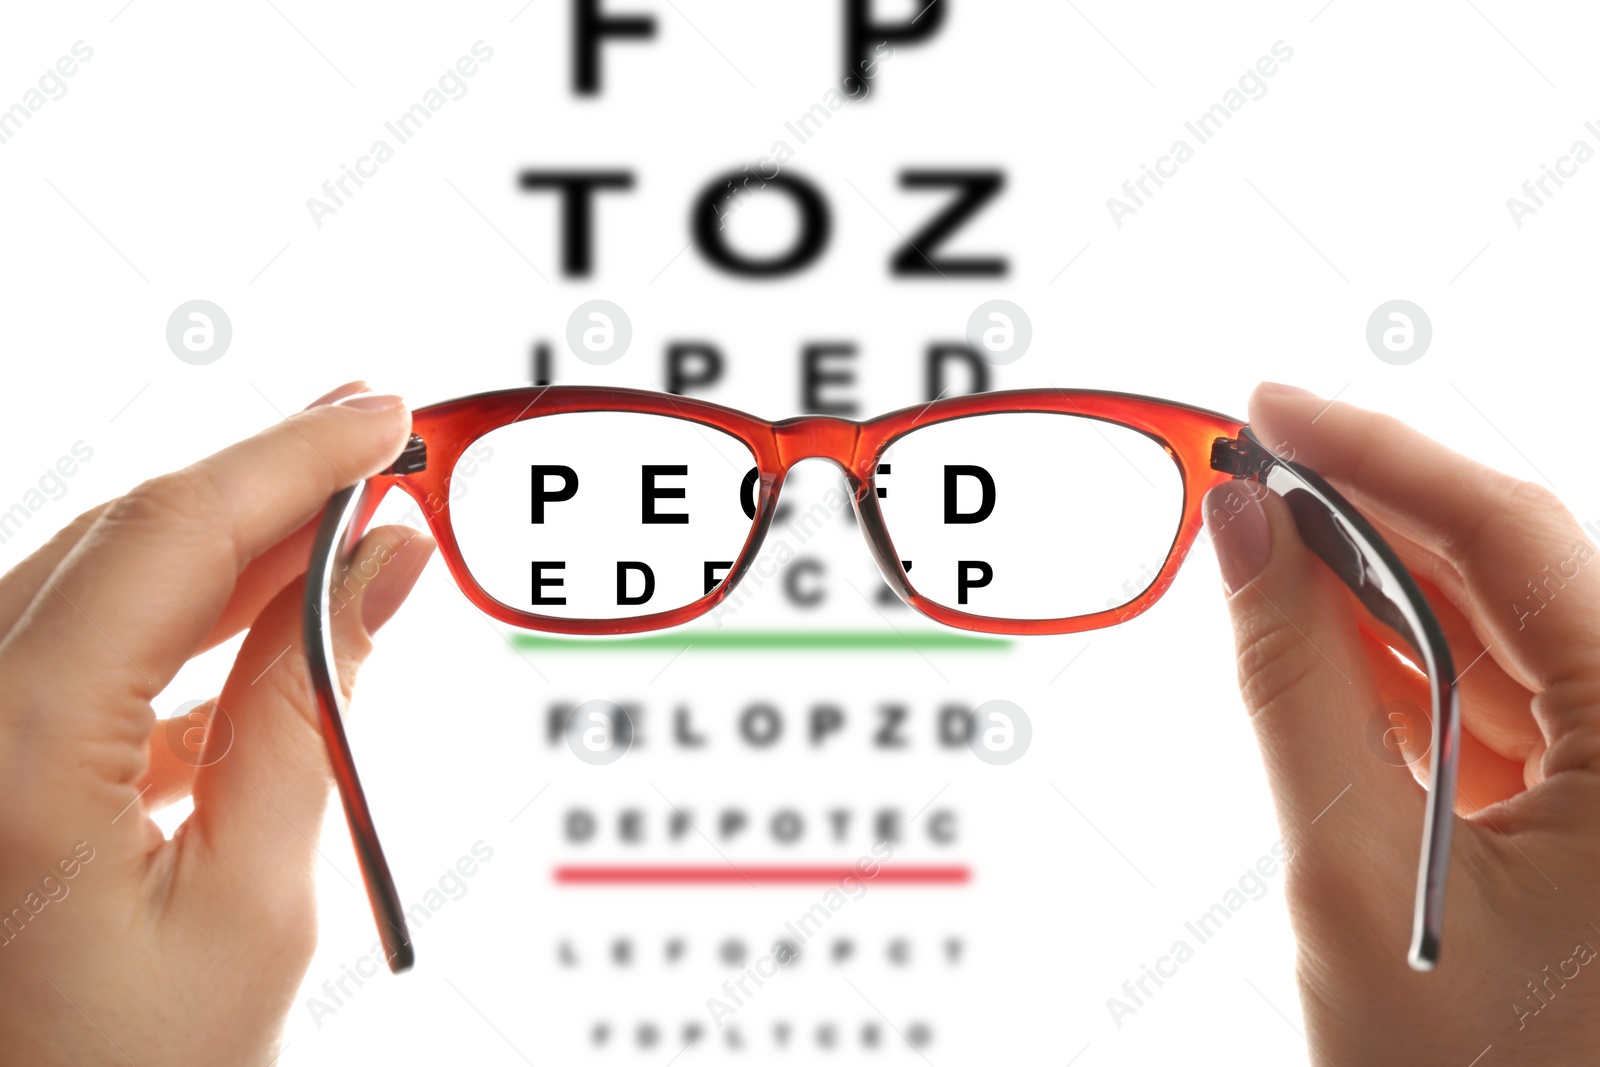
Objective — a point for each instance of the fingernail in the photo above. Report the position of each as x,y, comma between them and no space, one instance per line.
1239,532
370,402
1279,389
394,581
338,393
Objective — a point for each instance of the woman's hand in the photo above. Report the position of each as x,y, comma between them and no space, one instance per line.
1516,585
117,946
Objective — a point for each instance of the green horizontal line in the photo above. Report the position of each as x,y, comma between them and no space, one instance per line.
773,640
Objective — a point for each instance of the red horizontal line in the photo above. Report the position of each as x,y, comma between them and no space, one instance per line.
727,874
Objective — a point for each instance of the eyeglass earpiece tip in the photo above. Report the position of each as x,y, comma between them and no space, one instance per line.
401,959
1425,953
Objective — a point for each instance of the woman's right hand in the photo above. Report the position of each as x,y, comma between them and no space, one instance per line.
1515,583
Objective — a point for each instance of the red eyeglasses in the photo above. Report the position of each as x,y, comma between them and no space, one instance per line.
607,511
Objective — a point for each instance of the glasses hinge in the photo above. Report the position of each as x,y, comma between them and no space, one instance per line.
413,458
1235,457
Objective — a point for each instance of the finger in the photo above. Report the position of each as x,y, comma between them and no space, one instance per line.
1524,560
278,565
150,579
338,392
1486,777
259,583
176,750
21,583
275,567
1402,733
1494,706
262,580
258,809
1351,820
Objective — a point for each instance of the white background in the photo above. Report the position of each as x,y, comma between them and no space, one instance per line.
1377,166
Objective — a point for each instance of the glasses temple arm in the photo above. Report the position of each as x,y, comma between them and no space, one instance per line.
1350,546
336,537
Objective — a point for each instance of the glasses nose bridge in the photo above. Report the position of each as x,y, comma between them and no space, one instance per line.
818,437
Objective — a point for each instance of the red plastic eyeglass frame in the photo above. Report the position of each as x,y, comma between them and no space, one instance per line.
1208,448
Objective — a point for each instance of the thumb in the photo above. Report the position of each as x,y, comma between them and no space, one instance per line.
1351,818
259,801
